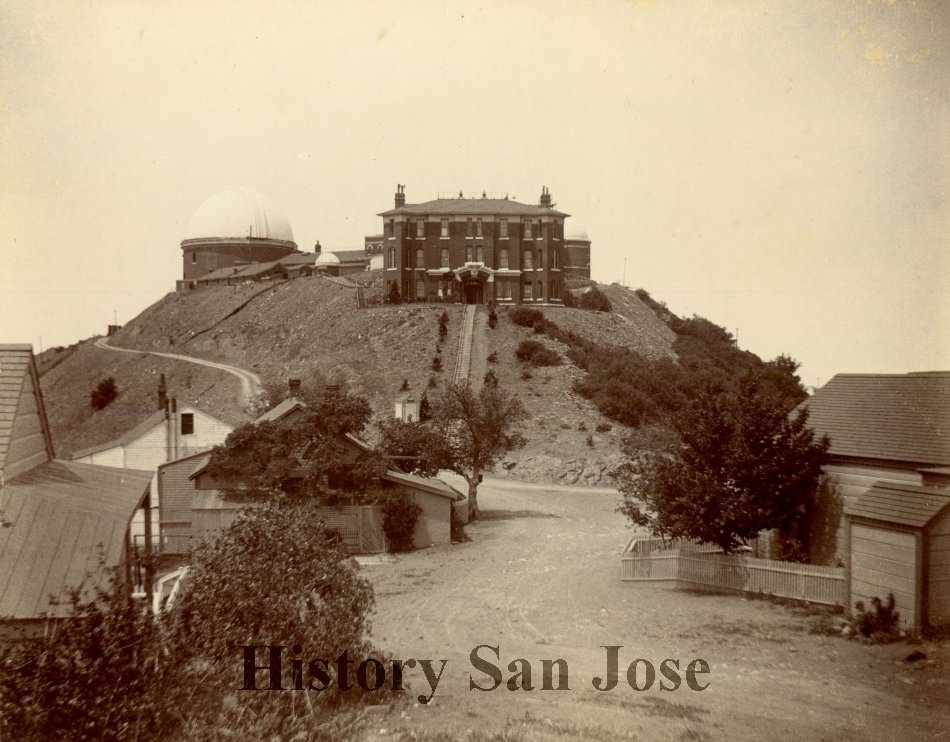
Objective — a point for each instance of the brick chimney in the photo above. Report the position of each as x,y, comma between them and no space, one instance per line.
317,248
400,196
294,385
545,197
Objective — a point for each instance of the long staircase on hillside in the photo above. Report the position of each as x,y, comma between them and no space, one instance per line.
463,359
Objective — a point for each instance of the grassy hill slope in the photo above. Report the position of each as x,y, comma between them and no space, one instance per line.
311,326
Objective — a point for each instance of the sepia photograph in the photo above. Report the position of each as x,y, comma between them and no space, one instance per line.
484,371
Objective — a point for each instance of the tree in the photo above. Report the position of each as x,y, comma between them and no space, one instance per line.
103,395
307,456
742,464
415,447
595,299
476,430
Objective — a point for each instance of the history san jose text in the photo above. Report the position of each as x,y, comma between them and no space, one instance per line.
287,669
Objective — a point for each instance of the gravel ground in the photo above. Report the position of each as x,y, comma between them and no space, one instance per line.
539,580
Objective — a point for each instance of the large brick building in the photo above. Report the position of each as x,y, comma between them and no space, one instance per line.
476,250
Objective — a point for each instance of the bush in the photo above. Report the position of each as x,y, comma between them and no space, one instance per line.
493,357
879,623
437,363
104,394
525,316
490,379
393,297
277,575
568,299
539,327
536,354
603,427
492,319
400,515
92,676
595,299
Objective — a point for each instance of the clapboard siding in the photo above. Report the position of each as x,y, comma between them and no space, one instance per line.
938,571
26,447
176,493
883,561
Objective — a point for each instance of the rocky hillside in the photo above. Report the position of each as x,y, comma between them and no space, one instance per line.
311,326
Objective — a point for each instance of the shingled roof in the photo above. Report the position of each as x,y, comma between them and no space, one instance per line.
474,207
25,439
900,503
893,417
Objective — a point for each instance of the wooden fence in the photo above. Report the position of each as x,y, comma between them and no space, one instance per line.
706,567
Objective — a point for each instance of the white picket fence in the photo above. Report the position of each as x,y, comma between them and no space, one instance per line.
704,566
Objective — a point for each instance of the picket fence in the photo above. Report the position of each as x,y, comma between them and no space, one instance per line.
704,566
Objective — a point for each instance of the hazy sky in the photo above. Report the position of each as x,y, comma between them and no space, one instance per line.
781,168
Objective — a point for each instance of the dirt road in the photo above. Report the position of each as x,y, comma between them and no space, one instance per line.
250,382
539,580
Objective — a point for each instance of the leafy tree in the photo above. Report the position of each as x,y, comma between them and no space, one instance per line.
400,515
307,456
743,464
414,447
104,394
425,409
476,430
393,297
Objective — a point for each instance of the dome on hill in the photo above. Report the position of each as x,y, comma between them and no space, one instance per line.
239,213
327,258
576,232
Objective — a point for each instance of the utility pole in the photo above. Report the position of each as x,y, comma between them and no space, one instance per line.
623,282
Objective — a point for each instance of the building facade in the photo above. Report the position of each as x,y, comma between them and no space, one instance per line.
478,250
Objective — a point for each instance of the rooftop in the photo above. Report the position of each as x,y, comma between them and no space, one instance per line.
903,504
473,206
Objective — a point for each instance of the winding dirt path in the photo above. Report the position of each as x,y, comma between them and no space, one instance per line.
250,382
540,580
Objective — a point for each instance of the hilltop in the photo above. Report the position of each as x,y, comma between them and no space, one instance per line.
311,327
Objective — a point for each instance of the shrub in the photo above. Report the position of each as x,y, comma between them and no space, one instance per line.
400,515
568,299
490,378
393,297
277,575
536,354
539,327
526,374
603,427
432,382
493,357
405,385
92,675
492,319
595,299
525,316
437,363
104,394
879,623
590,441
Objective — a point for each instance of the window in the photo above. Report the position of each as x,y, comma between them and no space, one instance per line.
555,259
479,254
526,224
420,228
558,229
540,234
391,257
503,258
527,291
420,258
540,294
503,228
420,289
468,253
468,227
504,290
445,228
539,264
445,257
528,260
478,228
194,257
391,228
187,423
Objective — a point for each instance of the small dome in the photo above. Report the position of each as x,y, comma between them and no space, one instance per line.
239,213
576,232
327,258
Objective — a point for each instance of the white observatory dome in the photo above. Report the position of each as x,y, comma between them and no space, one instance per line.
239,213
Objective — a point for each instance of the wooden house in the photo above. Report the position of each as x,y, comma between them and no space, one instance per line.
63,524
892,428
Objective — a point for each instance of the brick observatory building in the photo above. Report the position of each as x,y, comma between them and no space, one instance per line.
236,227
476,250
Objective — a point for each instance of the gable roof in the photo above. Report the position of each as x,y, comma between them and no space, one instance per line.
473,206
57,516
894,417
130,436
18,377
280,410
900,503
433,486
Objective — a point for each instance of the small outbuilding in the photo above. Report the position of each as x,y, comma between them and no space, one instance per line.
899,543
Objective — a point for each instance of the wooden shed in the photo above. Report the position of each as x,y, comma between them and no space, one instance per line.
899,543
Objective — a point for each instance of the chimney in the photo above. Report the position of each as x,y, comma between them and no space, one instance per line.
400,196
545,197
162,394
294,385
317,248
